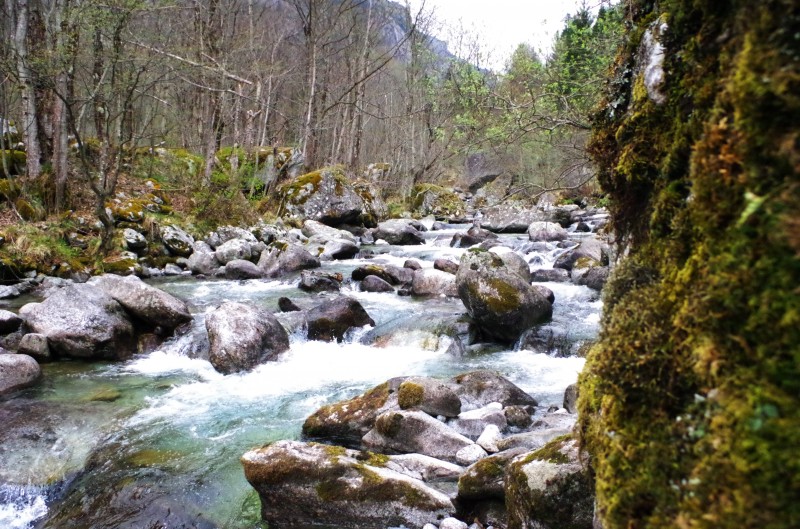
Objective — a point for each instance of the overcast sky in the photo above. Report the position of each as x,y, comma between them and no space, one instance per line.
503,24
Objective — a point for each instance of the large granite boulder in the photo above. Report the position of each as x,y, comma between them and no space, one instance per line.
432,396
177,241
338,249
348,421
17,371
282,258
82,321
304,484
203,259
431,282
485,479
234,249
546,231
514,262
478,389
146,303
375,284
242,336
398,231
414,432
314,281
589,250
511,218
224,234
327,196
322,232
551,487
471,237
331,319
502,304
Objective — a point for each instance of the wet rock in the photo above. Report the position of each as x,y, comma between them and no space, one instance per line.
430,282
470,454
484,480
478,389
339,249
391,274
330,320
471,237
313,229
375,284
595,277
426,468
348,421
82,321
513,261
17,371
501,302
518,416
203,260
146,303
472,423
134,241
571,398
414,432
177,241
550,487
287,305
546,293
452,523
304,484
241,269
399,232
171,269
282,258
243,336
36,346
532,440
234,249
544,275
446,265
320,281
429,395
412,264
9,322
589,248
546,231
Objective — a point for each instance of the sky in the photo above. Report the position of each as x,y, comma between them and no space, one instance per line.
501,24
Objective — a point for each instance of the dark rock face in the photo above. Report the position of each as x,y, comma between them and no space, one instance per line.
391,274
146,303
319,281
17,371
301,484
571,398
9,322
287,305
330,320
446,265
82,321
242,336
595,278
399,232
501,302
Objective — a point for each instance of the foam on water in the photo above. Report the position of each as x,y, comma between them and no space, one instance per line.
21,506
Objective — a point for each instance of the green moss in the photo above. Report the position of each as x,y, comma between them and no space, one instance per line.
340,420
151,458
12,163
552,452
410,395
105,395
504,298
9,189
389,424
430,199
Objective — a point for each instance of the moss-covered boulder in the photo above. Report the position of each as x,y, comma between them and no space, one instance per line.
304,484
478,389
177,241
697,364
502,304
327,196
348,421
550,488
485,480
430,199
429,395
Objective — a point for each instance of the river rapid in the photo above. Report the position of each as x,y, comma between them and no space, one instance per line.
102,445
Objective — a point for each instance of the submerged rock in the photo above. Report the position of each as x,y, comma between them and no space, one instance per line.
147,303
17,371
82,321
243,336
303,484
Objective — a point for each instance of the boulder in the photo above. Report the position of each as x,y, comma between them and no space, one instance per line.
313,229
470,454
375,284
348,421
571,398
518,416
484,480
551,487
429,199
312,281
305,484
17,371
546,231
203,260
331,319
241,269
594,278
326,196
282,258
544,275
502,304
234,249
35,345
339,249
414,432
412,264
399,232
134,241
446,265
546,293
393,275
224,234
478,389
242,336
177,241
471,237
452,523
430,282
429,395
9,322
82,321
489,437
511,218
472,423
513,261
287,305
144,302
589,248
426,468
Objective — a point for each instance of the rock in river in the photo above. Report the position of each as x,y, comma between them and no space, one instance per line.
149,304
330,320
17,371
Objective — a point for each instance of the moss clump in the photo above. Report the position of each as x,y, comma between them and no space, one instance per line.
552,452
389,424
697,363
410,395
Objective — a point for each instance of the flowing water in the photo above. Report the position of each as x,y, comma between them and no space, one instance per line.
159,437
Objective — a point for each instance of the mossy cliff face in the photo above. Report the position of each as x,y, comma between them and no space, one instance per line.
690,402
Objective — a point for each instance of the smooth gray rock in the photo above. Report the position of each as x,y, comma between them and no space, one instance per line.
489,438
590,248
304,484
312,228
470,454
146,303
177,241
224,234
426,468
446,265
282,258
313,281
544,275
430,282
339,249
243,336
477,389
429,395
134,241
35,345
471,237
82,321
472,423
204,263
375,284
234,249
546,231
241,269
452,523
399,232
513,261
9,322
17,371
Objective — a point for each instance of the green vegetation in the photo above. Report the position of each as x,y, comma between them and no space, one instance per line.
689,401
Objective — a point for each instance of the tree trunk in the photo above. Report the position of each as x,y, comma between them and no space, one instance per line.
30,122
